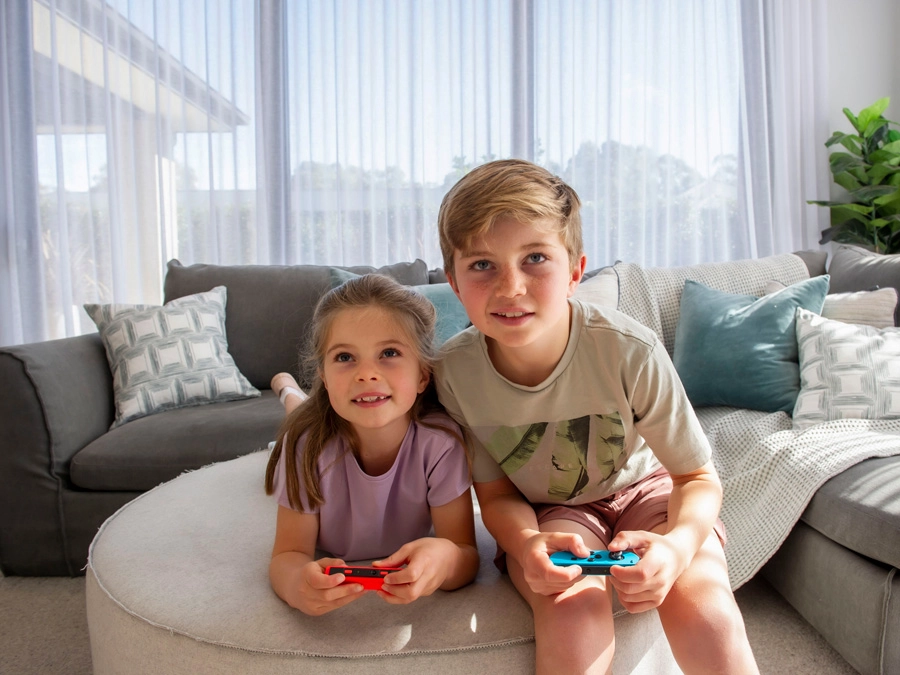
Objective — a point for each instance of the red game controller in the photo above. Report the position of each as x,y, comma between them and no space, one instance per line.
371,578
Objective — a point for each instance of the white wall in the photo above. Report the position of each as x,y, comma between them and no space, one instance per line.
863,54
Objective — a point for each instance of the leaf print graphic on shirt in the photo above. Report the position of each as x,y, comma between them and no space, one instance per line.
512,447
609,432
572,468
570,473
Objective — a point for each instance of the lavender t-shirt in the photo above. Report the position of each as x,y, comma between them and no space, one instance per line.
366,517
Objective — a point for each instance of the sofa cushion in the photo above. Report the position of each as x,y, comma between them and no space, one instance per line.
148,451
859,509
856,269
869,308
846,371
739,350
652,296
270,306
601,288
168,357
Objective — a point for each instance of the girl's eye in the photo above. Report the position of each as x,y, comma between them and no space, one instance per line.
390,353
536,257
343,357
481,265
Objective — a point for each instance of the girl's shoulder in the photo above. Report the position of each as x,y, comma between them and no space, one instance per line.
439,425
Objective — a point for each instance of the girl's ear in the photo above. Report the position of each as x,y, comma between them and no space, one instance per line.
426,378
322,377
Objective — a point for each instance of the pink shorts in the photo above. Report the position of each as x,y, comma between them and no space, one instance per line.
640,506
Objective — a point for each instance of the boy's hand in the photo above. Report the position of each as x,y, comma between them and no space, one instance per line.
428,563
319,593
542,576
645,585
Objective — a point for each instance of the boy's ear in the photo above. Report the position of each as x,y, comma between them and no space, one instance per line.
452,282
577,273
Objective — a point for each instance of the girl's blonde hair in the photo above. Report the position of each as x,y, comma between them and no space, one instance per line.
508,188
315,417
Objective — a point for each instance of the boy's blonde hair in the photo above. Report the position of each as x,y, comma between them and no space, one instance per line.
415,315
510,188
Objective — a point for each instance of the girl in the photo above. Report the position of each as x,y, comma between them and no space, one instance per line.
369,462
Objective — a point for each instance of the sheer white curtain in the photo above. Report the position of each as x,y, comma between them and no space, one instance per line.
314,131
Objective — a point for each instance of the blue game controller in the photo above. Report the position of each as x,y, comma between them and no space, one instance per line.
598,562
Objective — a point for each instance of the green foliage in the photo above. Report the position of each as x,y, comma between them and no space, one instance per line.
867,166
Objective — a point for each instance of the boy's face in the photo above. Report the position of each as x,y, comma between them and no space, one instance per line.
514,284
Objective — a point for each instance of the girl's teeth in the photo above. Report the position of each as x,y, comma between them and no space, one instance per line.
512,315
369,399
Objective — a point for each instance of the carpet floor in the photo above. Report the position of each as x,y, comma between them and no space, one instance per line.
43,630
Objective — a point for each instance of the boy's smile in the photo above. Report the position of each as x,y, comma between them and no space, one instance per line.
515,283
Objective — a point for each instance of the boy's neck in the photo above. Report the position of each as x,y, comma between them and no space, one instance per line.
531,364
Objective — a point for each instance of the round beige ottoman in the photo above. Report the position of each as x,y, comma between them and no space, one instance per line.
177,582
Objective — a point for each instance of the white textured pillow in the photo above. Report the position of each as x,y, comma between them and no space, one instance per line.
846,371
171,356
866,308
602,289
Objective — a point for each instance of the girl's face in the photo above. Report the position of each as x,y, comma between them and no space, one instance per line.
372,371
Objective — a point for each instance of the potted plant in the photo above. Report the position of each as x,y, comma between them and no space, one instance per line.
868,168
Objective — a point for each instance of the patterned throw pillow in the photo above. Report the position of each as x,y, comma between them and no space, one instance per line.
171,356
846,371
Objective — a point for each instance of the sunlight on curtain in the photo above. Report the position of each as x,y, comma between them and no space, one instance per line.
390,103
311,131
144,149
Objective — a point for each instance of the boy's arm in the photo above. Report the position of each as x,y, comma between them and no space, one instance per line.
510,518
693,509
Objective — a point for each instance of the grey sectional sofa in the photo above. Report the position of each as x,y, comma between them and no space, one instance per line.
63,471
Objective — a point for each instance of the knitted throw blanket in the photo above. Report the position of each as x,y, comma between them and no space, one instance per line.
770,472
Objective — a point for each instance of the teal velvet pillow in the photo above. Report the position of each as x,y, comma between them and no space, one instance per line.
451,315
740,350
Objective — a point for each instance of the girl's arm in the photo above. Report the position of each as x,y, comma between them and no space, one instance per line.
296,576
446,561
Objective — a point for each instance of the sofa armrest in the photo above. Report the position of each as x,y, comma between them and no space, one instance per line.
56,398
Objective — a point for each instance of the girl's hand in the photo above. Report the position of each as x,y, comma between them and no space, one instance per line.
318,593
428,562
542,576
645,585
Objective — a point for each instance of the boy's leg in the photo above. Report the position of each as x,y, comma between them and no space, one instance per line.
573,630
701,618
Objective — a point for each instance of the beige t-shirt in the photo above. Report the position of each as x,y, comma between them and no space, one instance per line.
609,414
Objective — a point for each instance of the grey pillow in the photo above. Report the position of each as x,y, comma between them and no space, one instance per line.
169,357
856,269
270,306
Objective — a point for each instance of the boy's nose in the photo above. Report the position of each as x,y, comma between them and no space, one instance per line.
510,282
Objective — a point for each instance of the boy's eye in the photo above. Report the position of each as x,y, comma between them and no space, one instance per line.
481,265
536,257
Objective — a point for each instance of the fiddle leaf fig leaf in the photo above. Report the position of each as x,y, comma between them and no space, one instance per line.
872,113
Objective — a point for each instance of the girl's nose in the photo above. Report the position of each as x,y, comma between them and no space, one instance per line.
366,371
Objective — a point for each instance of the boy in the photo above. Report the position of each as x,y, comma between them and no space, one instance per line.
584,438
